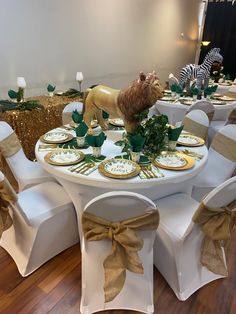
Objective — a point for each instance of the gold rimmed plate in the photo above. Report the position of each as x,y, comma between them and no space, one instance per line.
116,122
174,161
56,137
64,157
226,98
190,140
119,168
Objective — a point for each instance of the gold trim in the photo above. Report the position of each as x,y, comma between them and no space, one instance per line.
69,137
190,162
134,173
200,141
54,163
113,122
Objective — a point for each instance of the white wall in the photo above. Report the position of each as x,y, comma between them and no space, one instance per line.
110,41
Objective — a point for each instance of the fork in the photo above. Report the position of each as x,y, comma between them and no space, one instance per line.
147,170
85,168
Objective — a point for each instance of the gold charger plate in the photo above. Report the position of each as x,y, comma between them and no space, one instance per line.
58,157
116,122
115,168
226,98
198,141
187,161
62,137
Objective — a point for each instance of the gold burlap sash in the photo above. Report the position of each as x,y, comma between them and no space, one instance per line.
10,145
232,117
224,146
210,115
66,117
216,224
125,246
7,197
195,128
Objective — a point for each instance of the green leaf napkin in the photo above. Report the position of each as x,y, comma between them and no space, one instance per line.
179,89
95,140
173,134
194,91
77,117
51,88
81,130
136,141
12,94
214,88
173,88
105,115
208,91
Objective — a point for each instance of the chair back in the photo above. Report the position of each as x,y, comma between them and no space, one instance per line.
205,106
197,123
222,154
173,80
67,111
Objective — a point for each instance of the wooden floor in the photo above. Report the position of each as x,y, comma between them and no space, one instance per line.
55,288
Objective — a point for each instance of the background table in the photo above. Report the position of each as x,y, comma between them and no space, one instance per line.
177,111
83,188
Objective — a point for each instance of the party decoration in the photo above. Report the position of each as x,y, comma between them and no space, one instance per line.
174,133
200,72
12,94
96,140
136,141
139,96
81,130
77,117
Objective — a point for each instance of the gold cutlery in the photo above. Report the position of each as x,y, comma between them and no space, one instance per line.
82,164
85,168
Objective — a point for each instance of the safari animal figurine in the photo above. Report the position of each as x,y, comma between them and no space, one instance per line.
125,104
200,72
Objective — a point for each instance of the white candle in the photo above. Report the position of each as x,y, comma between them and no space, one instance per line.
21,82
79,76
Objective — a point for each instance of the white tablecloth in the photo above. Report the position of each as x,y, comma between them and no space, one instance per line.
82,188
177,111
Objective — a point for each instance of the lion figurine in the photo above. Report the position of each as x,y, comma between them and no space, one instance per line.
125,104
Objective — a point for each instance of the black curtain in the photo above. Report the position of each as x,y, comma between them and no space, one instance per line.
220,30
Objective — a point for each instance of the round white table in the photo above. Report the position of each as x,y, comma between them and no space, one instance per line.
82,188
177,111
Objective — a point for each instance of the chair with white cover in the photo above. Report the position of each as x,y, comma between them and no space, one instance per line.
232,89
179,241
197,123
216,125
119,232
172,80
68,110
26,172
205,106
44,224
221,162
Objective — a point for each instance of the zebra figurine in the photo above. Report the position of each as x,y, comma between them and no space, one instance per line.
200,72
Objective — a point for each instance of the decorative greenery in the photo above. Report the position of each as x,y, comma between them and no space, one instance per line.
26,105
153,130
173,88
95,140
77,117
136,141
12,94
141,115
179,89
51,88
71,93
194,91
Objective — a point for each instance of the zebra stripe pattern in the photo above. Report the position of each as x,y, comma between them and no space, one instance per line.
200,72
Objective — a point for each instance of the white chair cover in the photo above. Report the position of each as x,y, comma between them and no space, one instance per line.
26,172
217,170
44,224
137,293
178,243
205,106
199,117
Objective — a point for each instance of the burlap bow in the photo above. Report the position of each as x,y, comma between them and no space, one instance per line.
10,145
7,196
195,128
217,224
125,246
